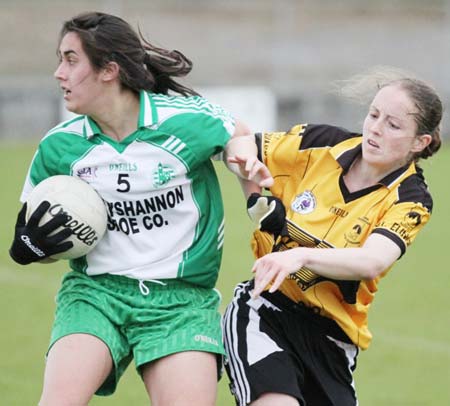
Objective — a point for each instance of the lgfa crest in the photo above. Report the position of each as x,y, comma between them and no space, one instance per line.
304,203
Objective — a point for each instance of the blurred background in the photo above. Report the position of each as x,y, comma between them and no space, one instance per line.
277,59
272,64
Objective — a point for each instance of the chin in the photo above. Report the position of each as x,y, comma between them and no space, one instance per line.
74,109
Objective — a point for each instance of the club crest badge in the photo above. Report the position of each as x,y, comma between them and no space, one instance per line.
411,220
162,175
354,236
304,203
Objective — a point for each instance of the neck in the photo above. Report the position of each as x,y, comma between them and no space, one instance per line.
118,117
362,175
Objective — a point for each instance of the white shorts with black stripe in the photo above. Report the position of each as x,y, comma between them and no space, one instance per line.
275,345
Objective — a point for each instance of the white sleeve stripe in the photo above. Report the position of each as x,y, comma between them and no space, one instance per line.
168,141
179,149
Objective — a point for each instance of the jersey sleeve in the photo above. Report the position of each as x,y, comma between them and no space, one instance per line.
286,153
280,152
282,147
207,128
404,219
47,161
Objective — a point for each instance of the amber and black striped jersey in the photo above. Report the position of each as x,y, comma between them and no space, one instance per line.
308,164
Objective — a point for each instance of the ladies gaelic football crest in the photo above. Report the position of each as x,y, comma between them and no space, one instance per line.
304,203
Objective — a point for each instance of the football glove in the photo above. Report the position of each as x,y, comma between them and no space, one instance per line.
267,212
33,242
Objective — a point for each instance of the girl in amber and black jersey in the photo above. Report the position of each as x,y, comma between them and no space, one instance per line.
353,204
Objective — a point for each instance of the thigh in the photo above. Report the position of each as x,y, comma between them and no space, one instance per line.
326,363
183,379
258,359
329,378
271,399
76,366
176,317
85,306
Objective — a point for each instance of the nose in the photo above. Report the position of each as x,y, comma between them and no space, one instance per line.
375,126
59,73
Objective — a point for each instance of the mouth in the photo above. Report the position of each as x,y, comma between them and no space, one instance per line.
372,143
66,92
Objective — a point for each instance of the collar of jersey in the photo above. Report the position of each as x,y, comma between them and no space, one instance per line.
147,116
346,152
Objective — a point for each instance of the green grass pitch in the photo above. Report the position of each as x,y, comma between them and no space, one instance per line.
407,364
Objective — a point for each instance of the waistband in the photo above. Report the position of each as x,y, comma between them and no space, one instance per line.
324,324
114,281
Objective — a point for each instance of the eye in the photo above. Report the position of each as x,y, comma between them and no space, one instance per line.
394,126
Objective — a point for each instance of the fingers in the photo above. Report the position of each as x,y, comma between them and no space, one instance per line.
245,161
277,282
253,170
266,179
259,173
21,216
56,222
235,160
37,215
67,245
271,269
276,279
60,236
264,274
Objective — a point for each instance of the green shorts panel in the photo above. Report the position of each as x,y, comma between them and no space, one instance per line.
171,318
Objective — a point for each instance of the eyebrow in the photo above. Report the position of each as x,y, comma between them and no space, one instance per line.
388,115
67,53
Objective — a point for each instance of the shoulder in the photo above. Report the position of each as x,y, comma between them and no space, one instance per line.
415,189
324,135
186,104
191,114
74,127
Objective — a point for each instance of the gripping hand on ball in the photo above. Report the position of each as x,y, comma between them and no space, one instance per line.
267,212
33,242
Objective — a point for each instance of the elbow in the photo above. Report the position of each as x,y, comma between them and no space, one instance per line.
374,268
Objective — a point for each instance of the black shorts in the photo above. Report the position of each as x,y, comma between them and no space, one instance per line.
275,345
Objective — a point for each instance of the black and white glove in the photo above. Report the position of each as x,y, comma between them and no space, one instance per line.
33,242
267,212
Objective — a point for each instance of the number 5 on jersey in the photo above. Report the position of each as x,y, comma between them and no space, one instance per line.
123,182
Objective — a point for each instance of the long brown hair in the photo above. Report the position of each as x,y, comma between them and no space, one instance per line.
106,38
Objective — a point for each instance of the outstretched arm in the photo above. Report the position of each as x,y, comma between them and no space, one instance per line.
241,158
366,262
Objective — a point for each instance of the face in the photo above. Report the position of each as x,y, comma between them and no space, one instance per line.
78,80
389,132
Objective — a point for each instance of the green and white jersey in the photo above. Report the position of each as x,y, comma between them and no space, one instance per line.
165,212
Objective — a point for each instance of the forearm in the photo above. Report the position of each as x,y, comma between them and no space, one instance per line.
241,158
342,263
240,145
363,263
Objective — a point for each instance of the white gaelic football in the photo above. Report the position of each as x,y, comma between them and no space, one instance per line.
86,211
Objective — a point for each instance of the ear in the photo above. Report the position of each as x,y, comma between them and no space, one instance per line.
110,72
421,142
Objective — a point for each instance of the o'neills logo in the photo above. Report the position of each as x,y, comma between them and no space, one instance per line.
82,231
31,246
304,203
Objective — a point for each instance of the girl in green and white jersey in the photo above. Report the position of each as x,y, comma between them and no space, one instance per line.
146,291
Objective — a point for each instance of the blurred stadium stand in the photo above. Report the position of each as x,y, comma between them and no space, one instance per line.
293,49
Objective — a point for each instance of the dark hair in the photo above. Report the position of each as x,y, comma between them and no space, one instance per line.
429,112
106,38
